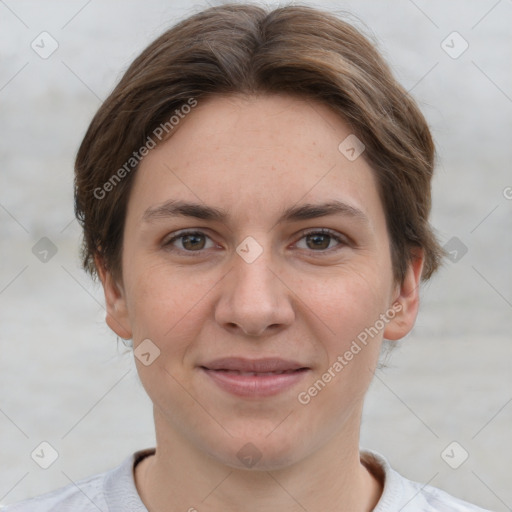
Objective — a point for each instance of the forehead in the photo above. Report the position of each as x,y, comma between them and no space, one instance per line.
254,153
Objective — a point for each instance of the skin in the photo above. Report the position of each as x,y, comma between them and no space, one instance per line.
253,157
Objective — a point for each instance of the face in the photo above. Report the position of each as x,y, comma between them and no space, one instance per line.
283,265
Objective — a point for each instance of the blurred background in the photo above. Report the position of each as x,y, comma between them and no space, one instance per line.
441,412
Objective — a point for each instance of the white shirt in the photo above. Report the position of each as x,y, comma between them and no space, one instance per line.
115,491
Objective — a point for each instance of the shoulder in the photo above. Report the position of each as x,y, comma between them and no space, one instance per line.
113,491
407,496
83,496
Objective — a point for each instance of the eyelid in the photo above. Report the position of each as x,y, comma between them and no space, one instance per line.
176,235
343,240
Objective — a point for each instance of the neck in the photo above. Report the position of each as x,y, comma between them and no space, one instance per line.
180,477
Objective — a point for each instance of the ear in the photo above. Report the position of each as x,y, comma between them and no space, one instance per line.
117,317
407,299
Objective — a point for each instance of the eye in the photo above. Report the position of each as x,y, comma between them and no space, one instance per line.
190,241
319,240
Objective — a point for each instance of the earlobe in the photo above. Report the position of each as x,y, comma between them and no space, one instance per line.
117,317
407,299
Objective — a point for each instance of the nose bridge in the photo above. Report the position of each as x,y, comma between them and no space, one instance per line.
252,268
254,298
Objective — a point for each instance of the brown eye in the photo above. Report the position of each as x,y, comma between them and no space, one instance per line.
190,241
321,240
318,241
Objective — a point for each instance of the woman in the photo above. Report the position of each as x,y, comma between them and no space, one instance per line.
254,196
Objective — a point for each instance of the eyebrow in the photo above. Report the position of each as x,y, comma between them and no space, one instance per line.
178,208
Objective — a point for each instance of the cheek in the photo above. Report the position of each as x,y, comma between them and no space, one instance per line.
168,303
351,308
164,305
347,302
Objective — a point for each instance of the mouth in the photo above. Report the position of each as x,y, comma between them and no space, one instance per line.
239,372
254,378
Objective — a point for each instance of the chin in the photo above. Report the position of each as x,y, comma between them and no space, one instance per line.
258,452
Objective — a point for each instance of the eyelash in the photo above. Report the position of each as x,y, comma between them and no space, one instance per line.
319,231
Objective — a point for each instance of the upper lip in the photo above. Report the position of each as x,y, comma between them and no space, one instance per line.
269,364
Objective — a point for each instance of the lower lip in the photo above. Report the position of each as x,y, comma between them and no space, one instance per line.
254,385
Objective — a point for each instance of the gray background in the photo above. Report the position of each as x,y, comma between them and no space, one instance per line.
63,378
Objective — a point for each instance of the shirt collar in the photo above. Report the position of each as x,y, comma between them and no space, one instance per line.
119,487
121,492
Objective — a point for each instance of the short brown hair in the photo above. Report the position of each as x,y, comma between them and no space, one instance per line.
246,49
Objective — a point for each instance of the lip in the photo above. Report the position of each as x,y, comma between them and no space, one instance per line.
254,377
262,365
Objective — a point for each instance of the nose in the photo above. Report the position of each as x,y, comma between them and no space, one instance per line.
254,297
